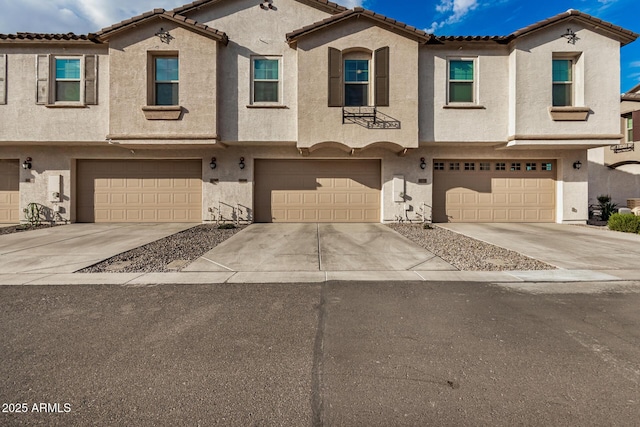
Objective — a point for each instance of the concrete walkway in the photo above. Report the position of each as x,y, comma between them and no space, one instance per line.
301,253
71,247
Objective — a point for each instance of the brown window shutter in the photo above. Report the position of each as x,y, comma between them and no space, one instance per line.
335,78
91,79
382,77
3,79
635,117
42,77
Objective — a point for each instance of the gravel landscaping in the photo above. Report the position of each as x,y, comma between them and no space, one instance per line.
466,253
175,252
165,255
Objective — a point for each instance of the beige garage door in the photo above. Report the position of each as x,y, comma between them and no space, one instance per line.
139,191
317,191
494,190
9,191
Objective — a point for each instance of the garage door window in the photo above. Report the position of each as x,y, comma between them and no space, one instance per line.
531,166
546,166
501,166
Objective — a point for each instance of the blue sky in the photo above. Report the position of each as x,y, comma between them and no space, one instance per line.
444,17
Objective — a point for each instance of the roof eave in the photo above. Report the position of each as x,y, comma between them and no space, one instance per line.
358,12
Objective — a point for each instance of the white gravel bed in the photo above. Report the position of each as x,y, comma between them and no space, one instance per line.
171,253
465,253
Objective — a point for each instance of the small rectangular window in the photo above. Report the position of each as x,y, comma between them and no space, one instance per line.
562,82
454,166
266,80
545,166
461,78
531,166
515,166
439,166
629,128
68,78
166,80
469,166
485,166
356,82
501,166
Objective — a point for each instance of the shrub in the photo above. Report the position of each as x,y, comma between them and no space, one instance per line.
628,223
607,207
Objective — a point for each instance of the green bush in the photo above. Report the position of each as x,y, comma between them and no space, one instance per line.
628,223
606,206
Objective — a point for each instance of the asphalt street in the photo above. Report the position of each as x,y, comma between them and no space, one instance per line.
338,353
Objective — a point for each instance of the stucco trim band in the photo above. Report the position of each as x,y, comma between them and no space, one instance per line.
569,113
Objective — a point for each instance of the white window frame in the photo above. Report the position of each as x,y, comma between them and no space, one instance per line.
570,83
154,83
54,80
474,81
628,129
358,55
279,81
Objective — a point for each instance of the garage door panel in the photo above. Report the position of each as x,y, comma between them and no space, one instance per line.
323,190
139,191
521,194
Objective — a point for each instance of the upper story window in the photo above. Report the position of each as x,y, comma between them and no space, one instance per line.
358,78
68,77
265,85
166,80
67,81
461,81
628,124
356,82
562,82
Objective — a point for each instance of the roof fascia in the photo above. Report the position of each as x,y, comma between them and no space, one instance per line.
323,5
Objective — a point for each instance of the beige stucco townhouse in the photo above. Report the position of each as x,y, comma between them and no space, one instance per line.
302,110
615,170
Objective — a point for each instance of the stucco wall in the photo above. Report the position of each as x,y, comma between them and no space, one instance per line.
596,82
129,77
319,123
253,32
21,119
442,122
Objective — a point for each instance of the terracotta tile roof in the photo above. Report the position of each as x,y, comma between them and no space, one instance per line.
105,33
357,12
619,33
630,97
625,36
40,37
321,4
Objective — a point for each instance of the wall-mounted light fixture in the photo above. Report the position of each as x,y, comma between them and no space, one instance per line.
213,164
267,4
241,164
577,165
423,164
164,36
27,163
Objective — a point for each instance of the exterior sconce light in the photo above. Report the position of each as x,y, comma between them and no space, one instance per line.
241,164
213,164
164,36
27,163
577,165
423,165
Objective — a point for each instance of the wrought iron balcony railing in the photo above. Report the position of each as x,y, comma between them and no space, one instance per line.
369,117
622,148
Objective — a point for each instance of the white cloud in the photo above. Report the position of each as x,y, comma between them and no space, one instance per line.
78,16
350,4
456,9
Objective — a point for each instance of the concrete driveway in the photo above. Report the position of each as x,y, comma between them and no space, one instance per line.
68,248
317,247
570,247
